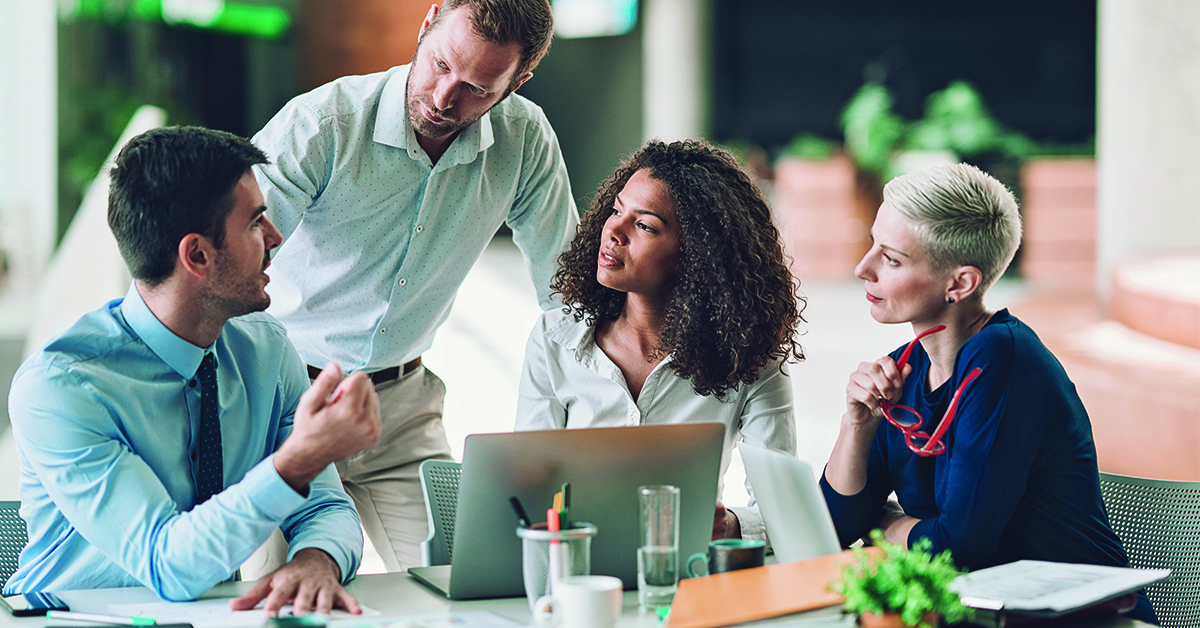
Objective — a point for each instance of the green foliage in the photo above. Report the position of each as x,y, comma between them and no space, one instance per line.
910,582
872,130
808,147
957,120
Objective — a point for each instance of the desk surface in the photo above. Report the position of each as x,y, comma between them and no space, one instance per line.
398,594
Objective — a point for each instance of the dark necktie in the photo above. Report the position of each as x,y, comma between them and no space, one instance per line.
212,469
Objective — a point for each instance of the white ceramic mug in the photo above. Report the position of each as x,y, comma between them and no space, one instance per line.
587,602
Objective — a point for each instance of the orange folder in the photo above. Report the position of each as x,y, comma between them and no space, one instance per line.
737,597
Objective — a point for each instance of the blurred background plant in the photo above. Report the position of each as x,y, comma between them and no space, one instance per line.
957,126
871,128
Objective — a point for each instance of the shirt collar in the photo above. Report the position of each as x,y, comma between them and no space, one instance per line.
579,338
569,334
392,127
181,355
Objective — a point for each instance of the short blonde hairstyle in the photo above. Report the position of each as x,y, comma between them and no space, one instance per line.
962,215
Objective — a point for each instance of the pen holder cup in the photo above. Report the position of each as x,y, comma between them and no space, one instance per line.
575,550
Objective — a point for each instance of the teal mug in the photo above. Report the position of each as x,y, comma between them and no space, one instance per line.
728,555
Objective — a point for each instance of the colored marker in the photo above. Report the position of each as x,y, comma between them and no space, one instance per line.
101,619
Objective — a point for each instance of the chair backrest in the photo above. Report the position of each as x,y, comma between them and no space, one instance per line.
1158,522
439,482
12,539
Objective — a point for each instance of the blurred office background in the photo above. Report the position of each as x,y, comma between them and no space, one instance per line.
1089,109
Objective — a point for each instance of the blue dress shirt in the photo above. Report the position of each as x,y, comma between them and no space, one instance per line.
107,424
377,239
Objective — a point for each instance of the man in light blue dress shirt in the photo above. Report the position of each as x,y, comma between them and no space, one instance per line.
108,416
387,187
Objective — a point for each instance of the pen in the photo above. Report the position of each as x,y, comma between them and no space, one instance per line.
564,519
522,518
101,619
555,549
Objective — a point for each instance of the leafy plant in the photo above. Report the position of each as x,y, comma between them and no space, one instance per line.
808,147
872,130
957,120
909,582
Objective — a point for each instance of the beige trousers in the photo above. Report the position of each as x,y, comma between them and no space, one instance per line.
384,481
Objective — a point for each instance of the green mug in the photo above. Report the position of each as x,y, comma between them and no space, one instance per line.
728,555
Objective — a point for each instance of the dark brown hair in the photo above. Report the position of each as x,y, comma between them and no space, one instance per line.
733,308
527,23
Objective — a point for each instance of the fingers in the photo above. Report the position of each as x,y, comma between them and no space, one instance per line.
252,597
279,597
348,602
315,397
880,379
305,598
323,604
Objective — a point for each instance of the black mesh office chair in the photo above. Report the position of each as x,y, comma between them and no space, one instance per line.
12,539
1158,521
439,482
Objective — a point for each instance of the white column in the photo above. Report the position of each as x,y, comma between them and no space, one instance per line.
28,135
674,68
1148,131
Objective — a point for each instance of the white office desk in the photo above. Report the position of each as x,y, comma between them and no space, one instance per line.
390,594
398,594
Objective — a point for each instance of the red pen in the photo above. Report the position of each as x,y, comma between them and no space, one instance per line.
552,525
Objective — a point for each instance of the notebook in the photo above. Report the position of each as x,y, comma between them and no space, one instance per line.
791,503
1045,589
605,467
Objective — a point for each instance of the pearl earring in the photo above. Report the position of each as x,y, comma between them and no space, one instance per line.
949,299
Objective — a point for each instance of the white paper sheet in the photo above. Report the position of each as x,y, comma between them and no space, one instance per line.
1039,586
209,613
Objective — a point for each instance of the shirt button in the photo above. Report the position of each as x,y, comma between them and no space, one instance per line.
420,228
193,455
403,281
383,330
192,383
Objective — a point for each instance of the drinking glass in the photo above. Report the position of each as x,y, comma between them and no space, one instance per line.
658,552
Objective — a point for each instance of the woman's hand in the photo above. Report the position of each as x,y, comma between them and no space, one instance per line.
871,383
725,524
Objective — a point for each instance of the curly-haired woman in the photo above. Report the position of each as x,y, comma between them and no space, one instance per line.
679,308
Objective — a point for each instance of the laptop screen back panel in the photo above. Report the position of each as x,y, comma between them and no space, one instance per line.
605,467
791,503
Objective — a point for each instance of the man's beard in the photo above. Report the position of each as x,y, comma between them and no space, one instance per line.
237,296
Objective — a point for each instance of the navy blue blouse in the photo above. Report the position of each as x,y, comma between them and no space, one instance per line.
1019,478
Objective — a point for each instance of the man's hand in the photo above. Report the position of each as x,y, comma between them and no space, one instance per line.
333,420
311,582
725,524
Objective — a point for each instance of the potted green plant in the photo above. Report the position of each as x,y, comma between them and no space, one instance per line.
905,588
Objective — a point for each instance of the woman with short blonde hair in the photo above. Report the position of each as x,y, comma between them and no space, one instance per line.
974,424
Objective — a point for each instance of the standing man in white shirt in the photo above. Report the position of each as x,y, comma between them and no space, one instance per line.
387,188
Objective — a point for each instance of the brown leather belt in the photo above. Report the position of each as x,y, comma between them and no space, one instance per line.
381,376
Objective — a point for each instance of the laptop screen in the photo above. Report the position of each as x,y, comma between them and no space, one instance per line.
605,467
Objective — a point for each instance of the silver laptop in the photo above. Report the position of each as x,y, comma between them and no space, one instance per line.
791,503
605,467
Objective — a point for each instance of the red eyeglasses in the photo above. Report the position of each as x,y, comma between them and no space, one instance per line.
909,421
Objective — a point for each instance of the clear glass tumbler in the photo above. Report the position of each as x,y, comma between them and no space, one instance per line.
658,552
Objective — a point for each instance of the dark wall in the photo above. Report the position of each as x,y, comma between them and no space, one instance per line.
591,91
783,67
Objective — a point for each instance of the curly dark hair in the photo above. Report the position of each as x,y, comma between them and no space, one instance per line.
733,308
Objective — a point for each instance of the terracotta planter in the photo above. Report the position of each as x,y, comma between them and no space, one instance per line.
824,226
892,620
1058,198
